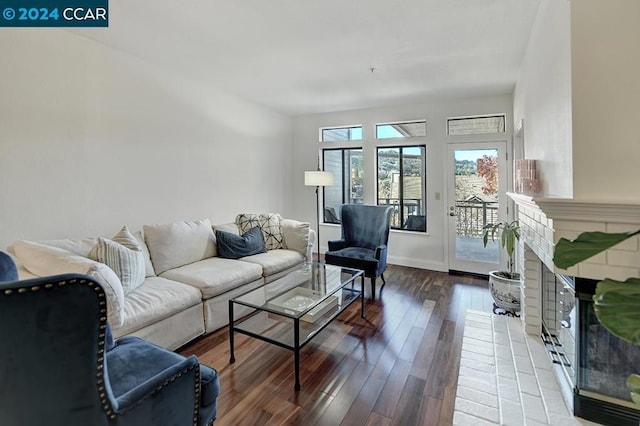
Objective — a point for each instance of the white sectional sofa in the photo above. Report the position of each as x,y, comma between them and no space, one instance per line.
187,284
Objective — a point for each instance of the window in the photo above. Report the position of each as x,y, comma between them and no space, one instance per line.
407,129
476,125
353,133
401,184
346,166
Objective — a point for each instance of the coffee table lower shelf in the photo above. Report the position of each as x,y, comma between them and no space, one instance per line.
289,331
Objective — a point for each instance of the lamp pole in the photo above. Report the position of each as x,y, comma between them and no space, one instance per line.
318,178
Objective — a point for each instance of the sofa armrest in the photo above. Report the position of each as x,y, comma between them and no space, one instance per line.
166,381
381,252
298,236
42,260
381,255
337,245
141,378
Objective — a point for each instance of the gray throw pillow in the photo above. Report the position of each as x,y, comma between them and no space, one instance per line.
232,246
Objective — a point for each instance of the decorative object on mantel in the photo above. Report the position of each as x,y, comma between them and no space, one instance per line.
616,303
504,285
526,179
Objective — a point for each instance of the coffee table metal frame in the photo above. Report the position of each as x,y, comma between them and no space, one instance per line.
265,313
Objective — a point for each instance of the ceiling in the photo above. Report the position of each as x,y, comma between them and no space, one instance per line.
303,56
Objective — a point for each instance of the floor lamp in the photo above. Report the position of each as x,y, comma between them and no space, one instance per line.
318,178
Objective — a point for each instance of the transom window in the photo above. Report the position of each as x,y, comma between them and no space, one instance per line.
476,125
405,129
334,134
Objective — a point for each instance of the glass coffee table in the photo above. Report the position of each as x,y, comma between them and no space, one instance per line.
293,309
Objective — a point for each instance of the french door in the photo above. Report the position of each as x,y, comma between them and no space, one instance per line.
476,195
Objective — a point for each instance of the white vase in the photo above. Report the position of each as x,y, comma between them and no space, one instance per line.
505,291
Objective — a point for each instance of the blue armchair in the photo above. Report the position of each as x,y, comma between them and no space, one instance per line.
365,234
59,364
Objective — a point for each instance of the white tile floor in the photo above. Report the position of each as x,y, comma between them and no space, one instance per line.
506,377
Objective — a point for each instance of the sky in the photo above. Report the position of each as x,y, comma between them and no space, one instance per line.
474,154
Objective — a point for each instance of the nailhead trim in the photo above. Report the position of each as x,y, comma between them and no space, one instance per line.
101,334
100,356
170,380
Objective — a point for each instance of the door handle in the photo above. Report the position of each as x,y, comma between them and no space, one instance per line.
452,214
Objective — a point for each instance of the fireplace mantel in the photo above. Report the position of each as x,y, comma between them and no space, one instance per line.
543,221
568,209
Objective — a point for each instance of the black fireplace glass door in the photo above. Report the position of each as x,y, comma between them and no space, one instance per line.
605,360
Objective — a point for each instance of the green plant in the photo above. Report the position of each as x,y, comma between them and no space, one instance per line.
616,303
509,233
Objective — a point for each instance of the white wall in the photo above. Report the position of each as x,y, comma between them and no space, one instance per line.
92,139
411,249
542,98
605,58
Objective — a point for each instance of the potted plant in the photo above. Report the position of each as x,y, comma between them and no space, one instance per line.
616,303
504,285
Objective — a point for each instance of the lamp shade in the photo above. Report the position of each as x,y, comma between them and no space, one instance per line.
318,178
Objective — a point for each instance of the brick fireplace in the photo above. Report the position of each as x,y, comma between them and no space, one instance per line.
543,223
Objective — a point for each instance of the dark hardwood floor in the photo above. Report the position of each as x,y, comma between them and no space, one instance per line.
399,366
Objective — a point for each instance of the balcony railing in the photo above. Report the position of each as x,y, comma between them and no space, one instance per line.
411,207
472,216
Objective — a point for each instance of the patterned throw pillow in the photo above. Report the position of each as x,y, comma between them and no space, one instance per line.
269,224
124,255
246,221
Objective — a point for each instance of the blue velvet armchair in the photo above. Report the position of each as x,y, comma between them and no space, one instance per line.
365,234
59,364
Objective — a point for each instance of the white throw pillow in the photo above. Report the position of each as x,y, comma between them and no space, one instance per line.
43,260
227,227
148,266
296,235
123,254
179,243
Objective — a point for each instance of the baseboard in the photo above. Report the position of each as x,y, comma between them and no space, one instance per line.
417,263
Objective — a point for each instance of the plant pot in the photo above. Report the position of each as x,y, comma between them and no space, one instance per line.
505,291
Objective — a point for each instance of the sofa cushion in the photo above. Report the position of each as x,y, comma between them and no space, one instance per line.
43,260
269,224
232,246
124,256
80,246
176,244
155,299
148,266
215,275
83,247
227,227
275,261
296,235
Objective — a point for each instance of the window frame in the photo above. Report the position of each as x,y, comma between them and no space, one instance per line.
349,126
375,129
471,117
343,182
401,147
